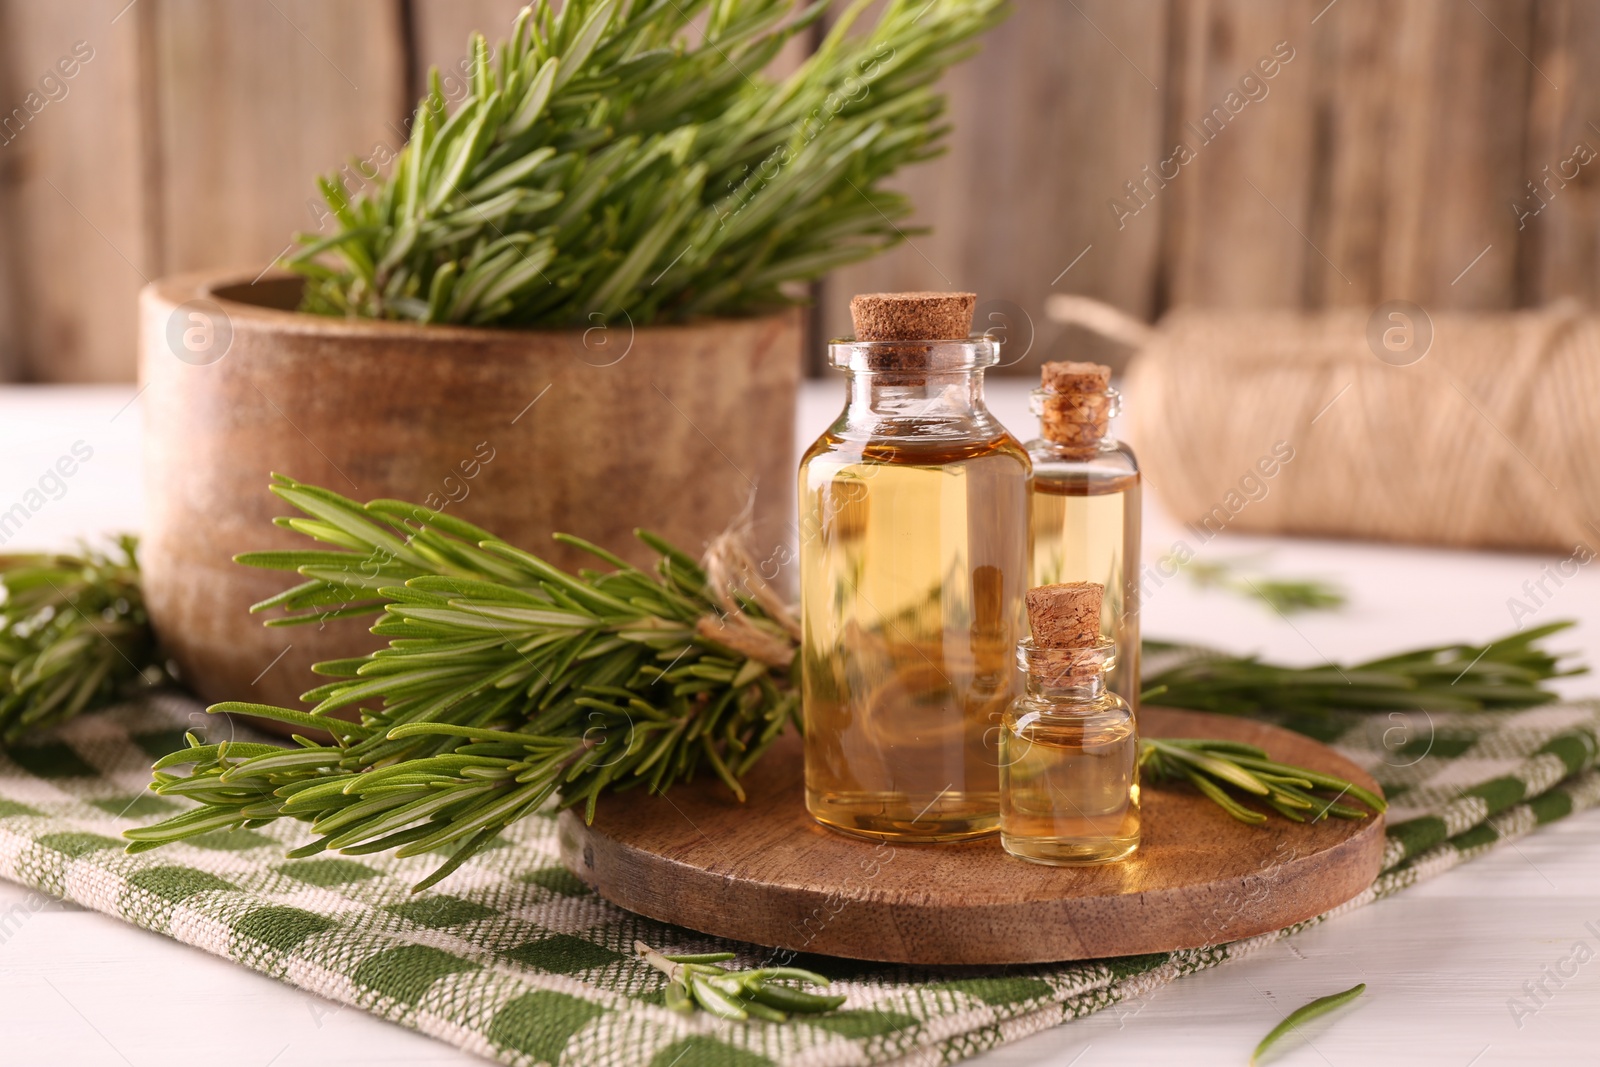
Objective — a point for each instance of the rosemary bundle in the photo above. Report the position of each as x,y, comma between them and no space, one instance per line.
74,635
506,682
606,161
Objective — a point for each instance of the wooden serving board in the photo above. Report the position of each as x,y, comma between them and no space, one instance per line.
765,872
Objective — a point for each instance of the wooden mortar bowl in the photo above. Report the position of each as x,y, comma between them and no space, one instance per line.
591,432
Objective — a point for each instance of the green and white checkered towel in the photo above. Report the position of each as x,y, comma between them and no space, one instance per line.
515,960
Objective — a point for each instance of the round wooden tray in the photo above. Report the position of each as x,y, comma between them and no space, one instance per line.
765,872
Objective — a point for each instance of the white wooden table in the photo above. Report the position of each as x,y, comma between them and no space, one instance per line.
1440,961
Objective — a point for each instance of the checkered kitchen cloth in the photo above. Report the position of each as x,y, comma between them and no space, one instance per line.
516,961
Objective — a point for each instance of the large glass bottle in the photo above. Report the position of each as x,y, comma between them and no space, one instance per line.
1085,515
913,563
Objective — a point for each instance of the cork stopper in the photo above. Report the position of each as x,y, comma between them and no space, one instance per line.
1067,377
913,316
1065,620
1075,410
1066,615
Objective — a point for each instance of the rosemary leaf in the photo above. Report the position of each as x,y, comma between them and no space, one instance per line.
1305,1013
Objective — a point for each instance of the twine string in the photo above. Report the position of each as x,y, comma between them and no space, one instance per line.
1490,439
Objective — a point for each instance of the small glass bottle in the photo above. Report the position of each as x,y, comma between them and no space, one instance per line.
913,564
1069,767
1085,515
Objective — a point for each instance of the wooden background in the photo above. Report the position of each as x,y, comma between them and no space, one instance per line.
1385,161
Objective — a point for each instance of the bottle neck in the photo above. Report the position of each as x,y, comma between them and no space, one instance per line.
1066,675
1076,425
954,395
1088,691
1044,448
933,388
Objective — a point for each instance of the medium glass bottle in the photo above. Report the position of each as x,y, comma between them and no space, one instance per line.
913,563
1069,768
1086,507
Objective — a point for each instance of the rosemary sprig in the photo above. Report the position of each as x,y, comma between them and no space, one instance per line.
507,681
1503,674
697,982
1296,793
1305,1013
74,635
1291,595
1284,595
609,161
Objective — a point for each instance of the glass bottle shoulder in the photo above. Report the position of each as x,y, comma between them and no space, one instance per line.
1038,704
1113,468
904,443
1074,724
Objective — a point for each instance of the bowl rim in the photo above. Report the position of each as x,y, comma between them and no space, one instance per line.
227,286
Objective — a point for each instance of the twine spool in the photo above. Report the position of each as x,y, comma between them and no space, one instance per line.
1490,440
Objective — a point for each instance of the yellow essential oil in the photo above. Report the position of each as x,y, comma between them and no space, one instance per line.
1069,768
1085,528
1086,506
913,559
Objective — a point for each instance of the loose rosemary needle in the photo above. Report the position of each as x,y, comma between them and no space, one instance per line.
1320,1006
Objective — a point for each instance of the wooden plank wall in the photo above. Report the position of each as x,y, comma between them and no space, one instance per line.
1381,159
